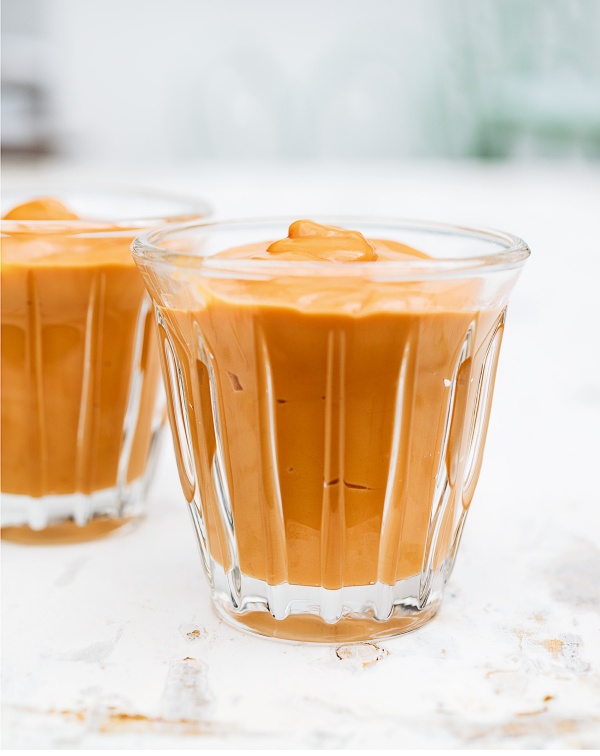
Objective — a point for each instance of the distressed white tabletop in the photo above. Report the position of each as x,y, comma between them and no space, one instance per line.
113,644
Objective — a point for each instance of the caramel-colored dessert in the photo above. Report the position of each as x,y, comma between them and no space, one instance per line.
336,429
72,345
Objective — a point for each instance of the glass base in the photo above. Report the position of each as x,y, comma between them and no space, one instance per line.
64,532
319,615
71,517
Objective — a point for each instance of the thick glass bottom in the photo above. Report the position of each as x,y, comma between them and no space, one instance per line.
320,615
64,532
71,517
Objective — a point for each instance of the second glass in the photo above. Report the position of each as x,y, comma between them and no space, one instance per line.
81,408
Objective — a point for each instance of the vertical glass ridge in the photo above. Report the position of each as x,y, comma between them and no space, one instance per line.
396,485
134,398
482,408
459,389
218,472
178,412
35,373
178,404
91,349
271,505
474,430
444,493
333,513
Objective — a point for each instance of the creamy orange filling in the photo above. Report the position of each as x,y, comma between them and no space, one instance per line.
329,398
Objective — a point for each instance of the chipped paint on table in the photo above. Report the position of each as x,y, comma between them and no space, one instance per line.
114,644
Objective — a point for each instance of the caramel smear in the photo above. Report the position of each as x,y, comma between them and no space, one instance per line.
42,208
308,240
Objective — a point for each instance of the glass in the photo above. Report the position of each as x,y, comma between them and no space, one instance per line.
329,419
81,406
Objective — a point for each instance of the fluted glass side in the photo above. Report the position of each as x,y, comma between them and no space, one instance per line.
329,437
352,478
81,408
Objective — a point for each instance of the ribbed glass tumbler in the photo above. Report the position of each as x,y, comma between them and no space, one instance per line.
329,419
81,404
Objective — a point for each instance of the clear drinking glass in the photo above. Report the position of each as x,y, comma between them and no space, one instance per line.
81,407
329,419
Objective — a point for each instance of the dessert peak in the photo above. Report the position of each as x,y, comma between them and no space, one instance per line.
41,209
308,240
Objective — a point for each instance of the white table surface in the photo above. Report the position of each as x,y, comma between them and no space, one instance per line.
113,644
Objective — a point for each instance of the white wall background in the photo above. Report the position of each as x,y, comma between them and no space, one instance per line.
173,80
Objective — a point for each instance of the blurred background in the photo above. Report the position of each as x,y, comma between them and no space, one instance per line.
169,81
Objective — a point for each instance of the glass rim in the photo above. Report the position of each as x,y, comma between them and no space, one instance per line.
191,209
147,247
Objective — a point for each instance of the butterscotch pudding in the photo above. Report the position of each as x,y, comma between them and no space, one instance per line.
329,394
80,376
